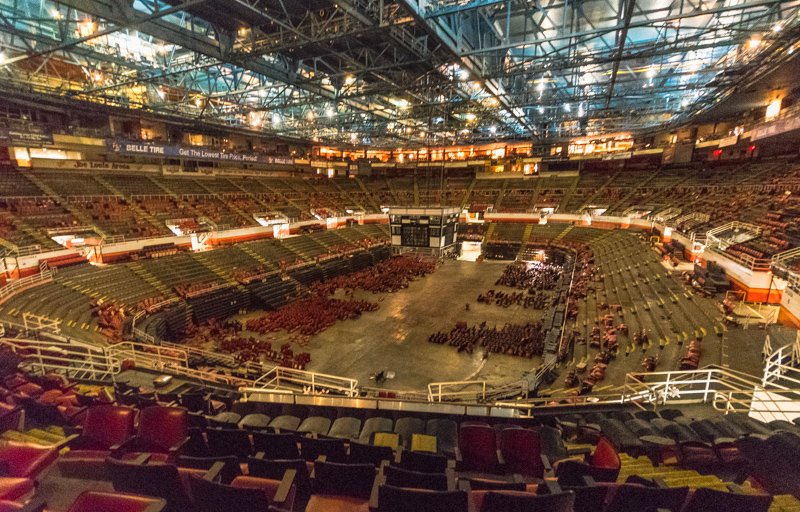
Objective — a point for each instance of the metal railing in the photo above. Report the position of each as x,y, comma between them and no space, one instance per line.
7,291
290,379
150,356
75,361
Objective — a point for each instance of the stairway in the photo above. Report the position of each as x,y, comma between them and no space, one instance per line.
500,196
488,236
201,259
37,235
600,189
235,209
416,191
141,212
536,191
77,213
526,235
253,254
561,235
150,279
343,192
366,191
633,191
468,193
565,200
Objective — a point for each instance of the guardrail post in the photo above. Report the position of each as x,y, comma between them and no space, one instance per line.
708,385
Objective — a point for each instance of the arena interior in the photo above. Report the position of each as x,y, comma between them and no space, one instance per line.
399,256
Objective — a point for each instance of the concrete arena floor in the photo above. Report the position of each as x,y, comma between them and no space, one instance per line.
395,337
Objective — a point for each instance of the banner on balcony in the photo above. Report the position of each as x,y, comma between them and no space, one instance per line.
156,149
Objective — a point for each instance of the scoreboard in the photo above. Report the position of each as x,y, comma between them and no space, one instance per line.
430,228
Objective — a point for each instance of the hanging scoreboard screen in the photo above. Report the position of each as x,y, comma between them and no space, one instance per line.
423,227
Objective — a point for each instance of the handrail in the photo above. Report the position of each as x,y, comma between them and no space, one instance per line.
76,361
10,289
280,377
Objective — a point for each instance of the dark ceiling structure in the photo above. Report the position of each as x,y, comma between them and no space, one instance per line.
390,73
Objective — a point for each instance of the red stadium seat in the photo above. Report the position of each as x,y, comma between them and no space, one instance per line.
162,432
477,449
105,428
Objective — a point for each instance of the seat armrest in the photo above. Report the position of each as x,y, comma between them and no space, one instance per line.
259,455
380,479
67,441
552,486
723,440
287,482
126,446
36,504
589,480
548,468
156,507
736,489
175,450
212,474
500,459
451,479
458,455
464,485
660,482
583,450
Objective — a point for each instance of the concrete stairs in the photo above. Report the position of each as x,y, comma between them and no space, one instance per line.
416,191
163,187
489,232
536,192
138,269
563,233
526,235
235,209
467,194
499,201
140,212
213,267
353,201
565,200
600,189
77,213
34,233
613,208
366,191
391,191
253,254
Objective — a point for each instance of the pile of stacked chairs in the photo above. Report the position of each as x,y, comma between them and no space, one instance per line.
188,449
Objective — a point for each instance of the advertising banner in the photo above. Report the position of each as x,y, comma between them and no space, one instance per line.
119,147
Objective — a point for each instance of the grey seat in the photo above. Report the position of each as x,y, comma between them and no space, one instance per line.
373,425
316,425
285,422
345,428
255,421
225,419
406,427
446,432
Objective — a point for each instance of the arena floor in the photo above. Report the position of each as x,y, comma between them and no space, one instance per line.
394,338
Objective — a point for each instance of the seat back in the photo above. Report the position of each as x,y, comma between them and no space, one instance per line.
515,501
94,501
354,480
333,449
605,455
276,446
710,500
638,498
571,472
399,477
522,451
424,462
161,428
369,454
107,425
398,499
228,441
158,479
217,497
26,460
478,447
